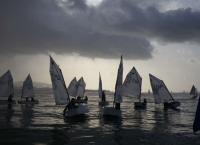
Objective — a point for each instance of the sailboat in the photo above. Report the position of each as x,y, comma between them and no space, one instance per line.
132,87
61,93
28,92
196,124
162,94
102,96
115,110
6,88
194,92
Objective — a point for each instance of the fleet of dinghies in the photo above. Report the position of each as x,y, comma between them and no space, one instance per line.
76,103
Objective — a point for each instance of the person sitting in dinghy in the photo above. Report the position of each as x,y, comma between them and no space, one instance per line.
86,99
71,105
10,98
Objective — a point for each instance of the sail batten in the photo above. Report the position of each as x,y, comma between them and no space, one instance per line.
160,91
58,84
118,85
27,89
6,85
132,84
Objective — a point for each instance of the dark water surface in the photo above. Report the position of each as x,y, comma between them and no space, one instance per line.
44,124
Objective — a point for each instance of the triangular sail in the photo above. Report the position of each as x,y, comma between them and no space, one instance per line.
194,91
6,85
118,85
100,91
196,124
160,91
59,88
27,89
132,84
72,88
81,87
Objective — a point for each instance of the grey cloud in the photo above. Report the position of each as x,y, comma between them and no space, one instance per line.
113,28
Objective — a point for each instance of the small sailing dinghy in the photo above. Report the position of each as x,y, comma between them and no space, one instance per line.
61,94
162,94
115,111
132,87
102,95
194,92
6,88
196,124
28,94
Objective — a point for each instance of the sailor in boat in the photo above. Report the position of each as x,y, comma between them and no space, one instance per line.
10,98
86,99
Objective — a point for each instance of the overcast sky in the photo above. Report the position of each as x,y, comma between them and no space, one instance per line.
88,36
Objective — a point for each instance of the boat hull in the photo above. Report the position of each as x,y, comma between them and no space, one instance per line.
28,102
81,109
6,102
140,105
111,111
172,105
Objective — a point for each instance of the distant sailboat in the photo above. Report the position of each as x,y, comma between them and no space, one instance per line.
28,92
115,111
194,92
6,88
61,93
162,94
132,87
81,87
196,124
72,88
102,97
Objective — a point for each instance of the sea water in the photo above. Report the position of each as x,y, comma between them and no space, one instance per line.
43,123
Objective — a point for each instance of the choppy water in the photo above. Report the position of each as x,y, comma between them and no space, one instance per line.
43,124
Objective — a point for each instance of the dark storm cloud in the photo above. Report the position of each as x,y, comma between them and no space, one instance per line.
113,28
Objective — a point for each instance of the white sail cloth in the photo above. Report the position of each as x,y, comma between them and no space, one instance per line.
58,84
81,87
6,85
118,85
72,88
27,89
160,91
132,84
100,91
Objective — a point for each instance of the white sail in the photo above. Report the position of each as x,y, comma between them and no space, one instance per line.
72,88
160,91
81,87
58,84
118,85
132,84
100,91
27,89
6,85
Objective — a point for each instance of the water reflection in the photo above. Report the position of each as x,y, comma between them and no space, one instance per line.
27,114
9,114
